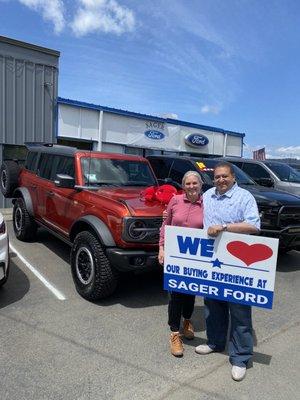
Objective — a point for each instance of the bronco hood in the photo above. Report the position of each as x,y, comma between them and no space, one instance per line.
131,197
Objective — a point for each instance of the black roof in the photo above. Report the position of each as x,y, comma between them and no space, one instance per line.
51,148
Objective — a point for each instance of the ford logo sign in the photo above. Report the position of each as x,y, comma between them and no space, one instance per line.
155,135
196,140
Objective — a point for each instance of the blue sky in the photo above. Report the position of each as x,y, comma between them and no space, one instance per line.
232,64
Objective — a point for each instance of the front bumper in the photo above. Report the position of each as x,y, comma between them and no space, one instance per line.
132,260
289,237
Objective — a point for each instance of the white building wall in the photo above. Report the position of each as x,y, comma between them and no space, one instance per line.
116,131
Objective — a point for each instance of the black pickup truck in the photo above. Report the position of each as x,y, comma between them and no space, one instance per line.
279,211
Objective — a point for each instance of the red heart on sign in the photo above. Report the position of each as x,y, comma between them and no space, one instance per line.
249,253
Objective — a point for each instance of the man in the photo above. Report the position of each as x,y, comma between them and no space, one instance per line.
227,207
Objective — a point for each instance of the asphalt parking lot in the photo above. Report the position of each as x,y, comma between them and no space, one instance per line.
67,348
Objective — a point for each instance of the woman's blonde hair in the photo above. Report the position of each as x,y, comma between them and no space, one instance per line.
188,173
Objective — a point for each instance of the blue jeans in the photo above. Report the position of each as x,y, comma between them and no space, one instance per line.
240,346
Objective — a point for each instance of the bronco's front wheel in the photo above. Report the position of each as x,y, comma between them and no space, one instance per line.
93,275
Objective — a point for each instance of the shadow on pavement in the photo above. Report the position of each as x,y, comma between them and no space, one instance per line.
261,358
135,290
138,290
54,244
16,286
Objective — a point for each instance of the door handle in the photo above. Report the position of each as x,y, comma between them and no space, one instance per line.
50,193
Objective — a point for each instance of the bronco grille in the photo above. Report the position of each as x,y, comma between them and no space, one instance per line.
143,230
289,216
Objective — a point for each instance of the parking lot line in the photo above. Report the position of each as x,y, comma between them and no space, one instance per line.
48,285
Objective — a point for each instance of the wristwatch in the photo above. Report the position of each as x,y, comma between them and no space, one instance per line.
224,227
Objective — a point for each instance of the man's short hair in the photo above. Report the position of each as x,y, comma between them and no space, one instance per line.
223,164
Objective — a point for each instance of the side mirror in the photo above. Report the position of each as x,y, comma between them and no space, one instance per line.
64,181
268,182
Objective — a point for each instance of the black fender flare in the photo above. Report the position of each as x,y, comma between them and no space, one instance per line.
25,194
99,227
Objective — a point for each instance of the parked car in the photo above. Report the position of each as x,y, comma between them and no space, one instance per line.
279,211
4,252
295,165
270,173
93,202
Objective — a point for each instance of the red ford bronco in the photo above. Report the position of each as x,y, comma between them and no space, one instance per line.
92,201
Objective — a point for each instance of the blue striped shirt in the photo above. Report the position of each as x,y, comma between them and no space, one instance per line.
236,205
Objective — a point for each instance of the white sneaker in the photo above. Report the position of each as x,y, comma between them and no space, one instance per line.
203,349
238,373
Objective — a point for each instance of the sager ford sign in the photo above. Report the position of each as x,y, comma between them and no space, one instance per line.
231,267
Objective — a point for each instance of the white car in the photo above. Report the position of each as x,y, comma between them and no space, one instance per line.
4,251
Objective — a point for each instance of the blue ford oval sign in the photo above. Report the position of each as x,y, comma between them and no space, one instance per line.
155,135
196,140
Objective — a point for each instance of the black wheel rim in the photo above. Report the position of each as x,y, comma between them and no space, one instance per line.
85,268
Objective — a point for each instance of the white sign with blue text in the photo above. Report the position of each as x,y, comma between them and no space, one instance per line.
231,267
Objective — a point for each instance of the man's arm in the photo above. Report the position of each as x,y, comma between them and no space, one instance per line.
237,227
250,225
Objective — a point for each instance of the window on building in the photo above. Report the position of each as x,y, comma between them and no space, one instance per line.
14,152
134,150
79,144
151,152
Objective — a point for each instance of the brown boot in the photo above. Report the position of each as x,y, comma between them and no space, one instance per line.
176,344
188,329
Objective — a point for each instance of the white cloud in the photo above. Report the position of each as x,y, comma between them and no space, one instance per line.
290,151
51,10
102,16
273,152
207,109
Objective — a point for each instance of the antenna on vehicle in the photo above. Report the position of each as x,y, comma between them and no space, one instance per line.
90,159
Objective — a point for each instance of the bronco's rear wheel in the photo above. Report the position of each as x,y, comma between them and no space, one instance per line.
9,174
93,275
24,225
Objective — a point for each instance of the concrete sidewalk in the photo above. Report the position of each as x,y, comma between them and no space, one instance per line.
276,362
7,213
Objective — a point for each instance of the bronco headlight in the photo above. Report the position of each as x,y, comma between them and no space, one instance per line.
137,230
142,230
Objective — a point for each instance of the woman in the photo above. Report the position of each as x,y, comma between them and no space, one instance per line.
184,210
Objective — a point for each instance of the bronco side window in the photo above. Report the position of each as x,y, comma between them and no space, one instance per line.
62,165
31,160
45,165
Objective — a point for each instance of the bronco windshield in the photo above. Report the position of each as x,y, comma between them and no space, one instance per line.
103,171
284,172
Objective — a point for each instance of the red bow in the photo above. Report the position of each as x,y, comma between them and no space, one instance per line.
163,193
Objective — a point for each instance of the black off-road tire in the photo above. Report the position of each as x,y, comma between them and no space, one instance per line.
9,174
24,225
93,275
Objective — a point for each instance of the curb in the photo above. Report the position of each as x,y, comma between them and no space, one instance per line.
7,213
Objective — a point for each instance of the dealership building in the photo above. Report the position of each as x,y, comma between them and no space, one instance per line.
31,111
108,129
